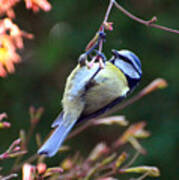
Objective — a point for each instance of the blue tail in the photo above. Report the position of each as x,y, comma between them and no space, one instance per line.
53,143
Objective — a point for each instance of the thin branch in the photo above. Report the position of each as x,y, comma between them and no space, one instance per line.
112,172
80,129
143,176
158,83
149,23
107,174
108,11
10,177
132,160
105,20
29,160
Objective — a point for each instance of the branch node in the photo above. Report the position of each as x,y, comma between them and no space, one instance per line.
152,21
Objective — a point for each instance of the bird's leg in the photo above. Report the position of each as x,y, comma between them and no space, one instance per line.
101,58
101,36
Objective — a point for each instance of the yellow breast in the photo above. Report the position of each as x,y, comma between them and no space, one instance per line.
110,83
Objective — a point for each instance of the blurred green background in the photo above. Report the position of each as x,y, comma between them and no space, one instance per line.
60,37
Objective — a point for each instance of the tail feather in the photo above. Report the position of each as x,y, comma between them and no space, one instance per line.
53,143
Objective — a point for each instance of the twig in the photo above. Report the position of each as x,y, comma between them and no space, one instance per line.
143,176
112,172
158,83
149,23
80,129
29,160
132,160
108,11
106,162
107,174
9,177
104,21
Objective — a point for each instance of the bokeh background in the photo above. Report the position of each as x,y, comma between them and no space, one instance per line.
60,37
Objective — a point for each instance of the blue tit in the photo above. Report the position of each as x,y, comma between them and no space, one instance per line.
91,92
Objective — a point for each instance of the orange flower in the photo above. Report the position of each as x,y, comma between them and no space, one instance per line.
11,38
8,55
36,5
6,7
14,32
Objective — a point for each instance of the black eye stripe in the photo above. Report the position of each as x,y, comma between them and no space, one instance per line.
123,58
128,61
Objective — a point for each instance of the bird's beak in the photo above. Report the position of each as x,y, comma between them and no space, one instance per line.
115,53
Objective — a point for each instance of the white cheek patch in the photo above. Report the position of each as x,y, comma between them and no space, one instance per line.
127,69
129,55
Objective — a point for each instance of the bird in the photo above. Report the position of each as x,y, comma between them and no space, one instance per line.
90,92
